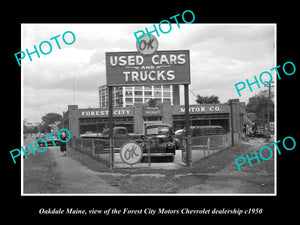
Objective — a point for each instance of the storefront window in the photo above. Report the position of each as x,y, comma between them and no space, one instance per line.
153,119
202,120
97,125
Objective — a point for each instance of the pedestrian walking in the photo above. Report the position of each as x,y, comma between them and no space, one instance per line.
63,145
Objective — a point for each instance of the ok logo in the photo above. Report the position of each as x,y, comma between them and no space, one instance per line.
143,44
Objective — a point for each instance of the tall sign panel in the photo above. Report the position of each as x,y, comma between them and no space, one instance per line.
148,67
133,68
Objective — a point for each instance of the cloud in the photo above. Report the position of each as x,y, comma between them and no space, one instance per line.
221,55
57,71
224,55
38,102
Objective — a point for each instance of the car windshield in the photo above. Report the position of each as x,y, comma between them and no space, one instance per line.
157,130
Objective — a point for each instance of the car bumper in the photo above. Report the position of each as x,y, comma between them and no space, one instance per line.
158,154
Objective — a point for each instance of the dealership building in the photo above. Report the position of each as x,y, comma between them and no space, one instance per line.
93,120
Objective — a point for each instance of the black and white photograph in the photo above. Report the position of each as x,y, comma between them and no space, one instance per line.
150,110
120,98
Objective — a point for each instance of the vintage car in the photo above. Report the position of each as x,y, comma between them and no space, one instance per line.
49,141
121,136
198,131
158,142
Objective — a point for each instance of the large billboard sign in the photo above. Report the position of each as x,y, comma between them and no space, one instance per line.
161,67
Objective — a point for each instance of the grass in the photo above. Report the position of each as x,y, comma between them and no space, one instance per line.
39,173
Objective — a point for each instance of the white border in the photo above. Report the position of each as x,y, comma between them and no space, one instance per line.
22,117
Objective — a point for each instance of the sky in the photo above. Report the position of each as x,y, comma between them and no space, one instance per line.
221,55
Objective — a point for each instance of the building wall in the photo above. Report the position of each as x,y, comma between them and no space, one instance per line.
166,112
138,120
237,116
129,95
73,121
176,95
167,115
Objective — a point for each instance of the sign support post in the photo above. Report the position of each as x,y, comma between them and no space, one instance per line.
111,127
187,125
148,67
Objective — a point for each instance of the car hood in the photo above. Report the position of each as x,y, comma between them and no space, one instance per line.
158,139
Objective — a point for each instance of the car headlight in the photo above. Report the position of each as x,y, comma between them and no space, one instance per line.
169,145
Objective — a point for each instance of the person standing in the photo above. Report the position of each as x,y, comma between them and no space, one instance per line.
63,145
245,130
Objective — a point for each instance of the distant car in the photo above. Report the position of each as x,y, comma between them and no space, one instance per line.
159,139
196,131
49,141
259,133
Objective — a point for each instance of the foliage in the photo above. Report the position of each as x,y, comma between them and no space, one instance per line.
44,127
258,104
50,118
207,99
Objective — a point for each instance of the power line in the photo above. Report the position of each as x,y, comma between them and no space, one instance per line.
193,93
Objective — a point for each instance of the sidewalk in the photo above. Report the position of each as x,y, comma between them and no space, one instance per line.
76,178
67,175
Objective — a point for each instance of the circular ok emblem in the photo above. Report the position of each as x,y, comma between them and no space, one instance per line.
147,46
131,152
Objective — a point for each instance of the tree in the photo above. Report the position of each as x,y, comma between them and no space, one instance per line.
207,99
48,119
265,93
258,104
